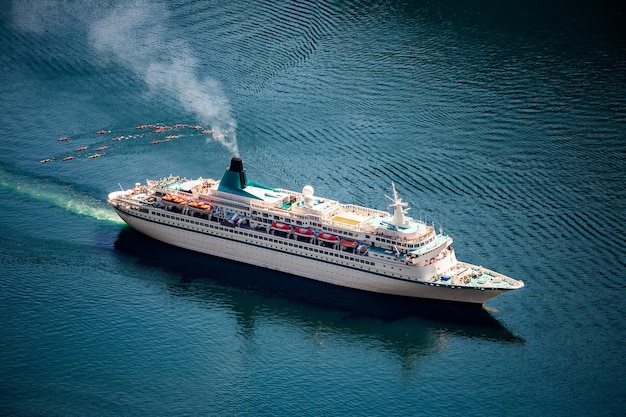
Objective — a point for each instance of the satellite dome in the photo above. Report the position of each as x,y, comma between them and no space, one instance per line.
307,190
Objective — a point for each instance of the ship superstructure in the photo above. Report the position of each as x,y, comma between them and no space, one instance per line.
302,234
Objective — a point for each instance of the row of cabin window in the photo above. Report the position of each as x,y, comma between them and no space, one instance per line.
269,239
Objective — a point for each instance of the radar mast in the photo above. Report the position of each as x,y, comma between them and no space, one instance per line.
398,209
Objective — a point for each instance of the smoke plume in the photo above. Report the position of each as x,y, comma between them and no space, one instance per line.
135,34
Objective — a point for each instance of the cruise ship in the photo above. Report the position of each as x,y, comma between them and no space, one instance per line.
302,234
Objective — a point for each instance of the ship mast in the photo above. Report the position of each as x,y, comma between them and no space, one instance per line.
398,209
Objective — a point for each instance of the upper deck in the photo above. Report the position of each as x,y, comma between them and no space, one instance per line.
303,208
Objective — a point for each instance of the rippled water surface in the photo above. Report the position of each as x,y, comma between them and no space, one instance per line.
503,125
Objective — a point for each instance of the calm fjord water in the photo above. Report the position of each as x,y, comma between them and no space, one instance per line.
504,125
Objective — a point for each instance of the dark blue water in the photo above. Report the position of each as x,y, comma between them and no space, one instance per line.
504,125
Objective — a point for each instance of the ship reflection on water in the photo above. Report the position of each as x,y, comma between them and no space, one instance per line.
409,327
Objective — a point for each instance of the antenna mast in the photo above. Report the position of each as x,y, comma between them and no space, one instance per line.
398,209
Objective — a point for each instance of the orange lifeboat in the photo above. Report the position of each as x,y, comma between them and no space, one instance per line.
348,243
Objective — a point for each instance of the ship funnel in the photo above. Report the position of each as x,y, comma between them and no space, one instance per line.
235,182
236,165
234,179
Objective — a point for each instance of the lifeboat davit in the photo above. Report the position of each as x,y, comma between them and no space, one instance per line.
327,237
301,231
281,226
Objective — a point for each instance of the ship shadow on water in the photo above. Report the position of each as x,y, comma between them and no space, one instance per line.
203,276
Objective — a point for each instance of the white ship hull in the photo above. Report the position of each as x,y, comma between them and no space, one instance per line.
296,258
